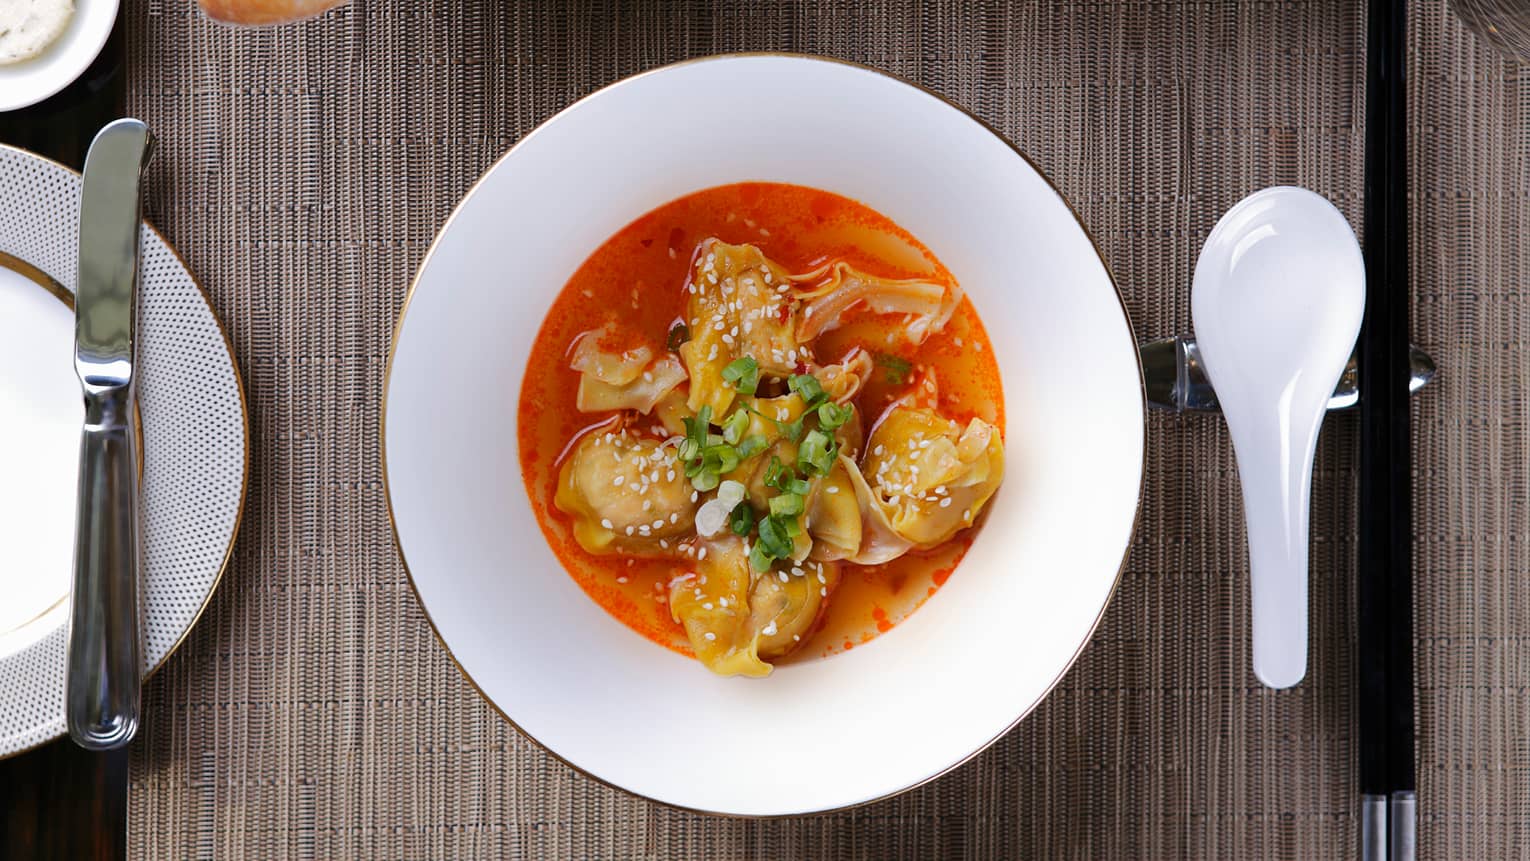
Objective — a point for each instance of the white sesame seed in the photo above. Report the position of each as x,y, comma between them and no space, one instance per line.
707,606
622,579
647,504
606,522
820,575
588,294
669,476
617,481
878,450
644,531
672,254
629,530
797,570
702,555
782,575
727,339
658,524
978,346
769,630
647,377
823,592
945,503
663,544
693,496
710,636
831,489
764,232
674,517
924,443
796,638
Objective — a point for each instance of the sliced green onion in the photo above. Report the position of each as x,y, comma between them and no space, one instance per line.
678,334
751,446
742,519
796,485
832,416
733,429
722,458
808,387
786,505
744,374
774,472
791,430
816,454
793,527
774,540
705,480
759,560
897,367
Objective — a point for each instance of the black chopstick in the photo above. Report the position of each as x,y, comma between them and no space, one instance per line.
1384,588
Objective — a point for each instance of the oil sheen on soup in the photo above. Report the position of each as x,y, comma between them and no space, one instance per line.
760,424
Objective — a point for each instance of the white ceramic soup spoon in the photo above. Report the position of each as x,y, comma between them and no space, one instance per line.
1277,301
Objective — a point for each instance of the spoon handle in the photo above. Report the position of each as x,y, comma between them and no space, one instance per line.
1275,455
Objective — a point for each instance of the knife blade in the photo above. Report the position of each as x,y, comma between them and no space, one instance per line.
103,671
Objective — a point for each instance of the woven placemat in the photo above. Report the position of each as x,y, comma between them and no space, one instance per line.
304,170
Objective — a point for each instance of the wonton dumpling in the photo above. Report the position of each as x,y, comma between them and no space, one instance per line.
738,303
928,305
834,516
929,474
626,494
736,621
631,379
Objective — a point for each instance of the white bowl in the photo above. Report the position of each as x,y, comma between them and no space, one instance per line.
820,734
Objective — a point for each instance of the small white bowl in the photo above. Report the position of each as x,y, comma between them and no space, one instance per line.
820,734
31,81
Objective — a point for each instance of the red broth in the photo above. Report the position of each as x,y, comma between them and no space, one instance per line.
636,280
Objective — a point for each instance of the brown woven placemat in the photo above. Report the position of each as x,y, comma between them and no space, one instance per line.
304,171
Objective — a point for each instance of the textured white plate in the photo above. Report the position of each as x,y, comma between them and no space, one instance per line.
31,81
195,444
819,734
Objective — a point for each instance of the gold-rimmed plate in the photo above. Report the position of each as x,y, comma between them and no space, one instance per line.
195,458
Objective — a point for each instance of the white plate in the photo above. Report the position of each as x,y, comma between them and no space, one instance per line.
31,81
195,444
819,734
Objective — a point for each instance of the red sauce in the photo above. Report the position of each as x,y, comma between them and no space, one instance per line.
636,280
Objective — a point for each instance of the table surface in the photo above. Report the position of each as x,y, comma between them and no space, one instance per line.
303,172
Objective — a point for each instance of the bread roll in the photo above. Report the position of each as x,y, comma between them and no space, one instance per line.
254,12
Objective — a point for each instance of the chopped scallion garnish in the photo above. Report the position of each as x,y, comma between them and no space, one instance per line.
751,446
733,428
786,505
832,416
742,519
808,387
816,454
743,374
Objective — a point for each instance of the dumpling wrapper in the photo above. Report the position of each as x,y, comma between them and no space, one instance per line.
929,305
737,622
738,303
625,493
612,379
931,475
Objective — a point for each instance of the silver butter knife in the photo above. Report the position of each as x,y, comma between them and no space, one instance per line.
103,675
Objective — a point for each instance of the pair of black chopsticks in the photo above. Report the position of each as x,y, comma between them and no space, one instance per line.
1384,591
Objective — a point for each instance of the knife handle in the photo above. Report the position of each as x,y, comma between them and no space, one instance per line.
104,667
